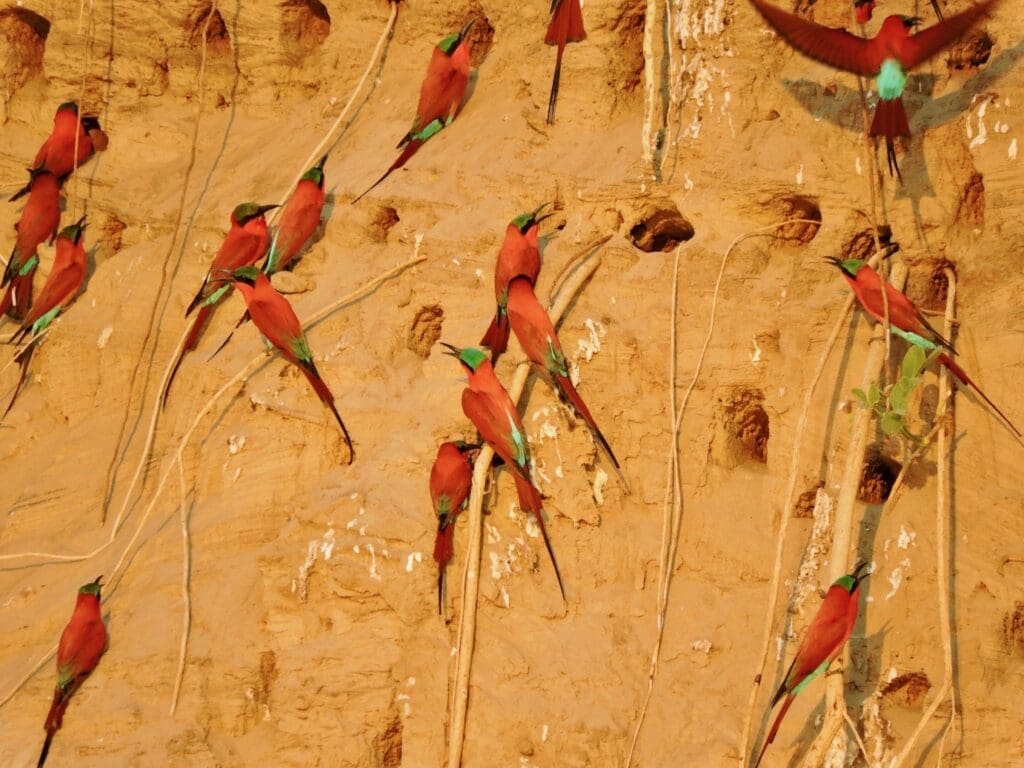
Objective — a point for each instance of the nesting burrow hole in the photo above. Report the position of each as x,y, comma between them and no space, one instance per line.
25,33
747,426
972,51
480,37
661,227
804,506
218,41
907,690
971,210
799,207
876,481
382,223
862,244
1013,628
928,285
425,330
305,25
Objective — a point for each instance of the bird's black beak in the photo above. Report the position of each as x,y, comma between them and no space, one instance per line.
323,161
858,577
451,350
465,29
911,21
98,581
264,208
834,261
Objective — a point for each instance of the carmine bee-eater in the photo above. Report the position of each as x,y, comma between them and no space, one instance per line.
488,405
887,56
278,323
82,643
906,321
299,219
539,341
244,245
440,97
70,267
519,257
56,155
450,481
566,26
38,222
830,628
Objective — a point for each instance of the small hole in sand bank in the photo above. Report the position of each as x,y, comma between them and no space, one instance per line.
876,480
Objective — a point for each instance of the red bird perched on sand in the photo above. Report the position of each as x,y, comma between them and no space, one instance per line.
539,341
81,644
830,628
566,26
440,97
299,219
38,223
887,56
519,257
488,405
277,321
906,321
450,480
70,267
244,245
57,153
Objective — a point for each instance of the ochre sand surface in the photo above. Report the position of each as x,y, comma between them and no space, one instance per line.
315,637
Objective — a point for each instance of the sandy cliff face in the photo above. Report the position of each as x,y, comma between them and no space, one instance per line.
315,638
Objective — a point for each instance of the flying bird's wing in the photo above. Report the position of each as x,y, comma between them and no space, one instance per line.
930,41
835,47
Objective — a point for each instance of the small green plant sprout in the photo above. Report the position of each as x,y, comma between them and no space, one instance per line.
891,403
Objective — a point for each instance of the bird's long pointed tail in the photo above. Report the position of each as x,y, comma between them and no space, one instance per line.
23,357
327,398
54,719
890,121
190,343
568,391
444,548
410,149
496,337
775,728
241,321
961,374
554,84
17,299
530,500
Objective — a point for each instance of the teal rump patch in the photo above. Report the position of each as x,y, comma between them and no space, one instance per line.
913,338
807,680
39,325
430,129
890,80
28,266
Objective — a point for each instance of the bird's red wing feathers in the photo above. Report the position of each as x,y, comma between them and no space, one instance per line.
566,23
82,643
61,286
275,318
835,47
531,323
441,92
928,42
450,476
241,248
824,637
490,419
518,256
298,223
496,336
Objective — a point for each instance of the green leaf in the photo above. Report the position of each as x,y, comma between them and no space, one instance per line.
874,395
900,393
892,423
860,397
913,362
